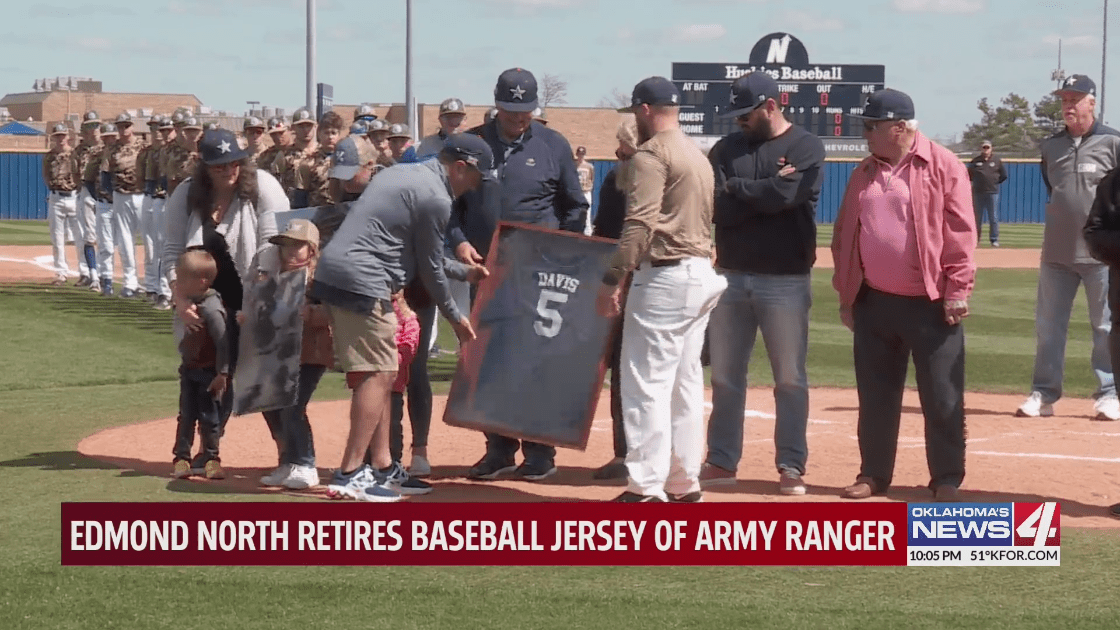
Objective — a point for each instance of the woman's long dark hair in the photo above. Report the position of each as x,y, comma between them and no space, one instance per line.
200,197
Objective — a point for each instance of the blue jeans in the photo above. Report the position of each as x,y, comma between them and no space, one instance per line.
290,426
779,307
197,408
987,202
1057,286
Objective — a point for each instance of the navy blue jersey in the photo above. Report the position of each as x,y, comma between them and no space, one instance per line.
537,368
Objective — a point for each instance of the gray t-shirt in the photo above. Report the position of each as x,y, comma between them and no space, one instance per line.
391,234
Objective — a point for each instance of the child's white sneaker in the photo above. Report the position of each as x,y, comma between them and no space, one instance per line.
302,478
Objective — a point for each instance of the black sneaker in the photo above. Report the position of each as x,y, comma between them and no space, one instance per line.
396,478
535,471
1115,510
689,497
488,469
630,497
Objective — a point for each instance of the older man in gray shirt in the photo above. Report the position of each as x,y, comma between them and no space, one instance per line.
393,233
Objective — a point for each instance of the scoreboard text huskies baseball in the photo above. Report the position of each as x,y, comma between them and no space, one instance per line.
818,97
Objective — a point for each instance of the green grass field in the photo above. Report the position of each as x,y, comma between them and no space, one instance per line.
76,363
1013,235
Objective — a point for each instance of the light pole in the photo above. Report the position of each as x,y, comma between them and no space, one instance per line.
1104,55
410,107
310,104
251,104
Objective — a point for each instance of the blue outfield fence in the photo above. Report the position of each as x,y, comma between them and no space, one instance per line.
23,193
1022,199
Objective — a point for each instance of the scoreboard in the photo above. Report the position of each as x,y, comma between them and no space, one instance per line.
815,96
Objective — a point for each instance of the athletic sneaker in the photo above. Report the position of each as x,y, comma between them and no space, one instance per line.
1107,408
163,303
397,479
1114,510
214,470
712,475
631,497
83,281
1033,407
419,466
276,477
488,469
129,293
790,483
107,289
350,486
301,478
182,469
377,493
536,471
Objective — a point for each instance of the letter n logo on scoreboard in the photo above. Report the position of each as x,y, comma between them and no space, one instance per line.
1037,525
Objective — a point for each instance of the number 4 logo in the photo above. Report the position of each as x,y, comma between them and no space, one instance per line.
1039,526
550,327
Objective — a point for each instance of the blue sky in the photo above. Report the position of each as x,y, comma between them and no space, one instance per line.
947,54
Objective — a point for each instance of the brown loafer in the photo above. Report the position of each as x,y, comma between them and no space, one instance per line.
863,488
946,493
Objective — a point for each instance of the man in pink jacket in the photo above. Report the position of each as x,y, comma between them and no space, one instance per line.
903,246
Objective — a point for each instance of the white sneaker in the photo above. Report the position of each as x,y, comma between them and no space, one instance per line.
276,478
1034,407
420,467
302,478
1107,408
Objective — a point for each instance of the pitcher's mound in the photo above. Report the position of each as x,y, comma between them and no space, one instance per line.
1066,458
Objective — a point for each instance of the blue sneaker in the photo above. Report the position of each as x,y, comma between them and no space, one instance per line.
377,493
350,486
106,289
398,480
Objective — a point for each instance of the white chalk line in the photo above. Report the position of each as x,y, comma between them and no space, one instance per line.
46,263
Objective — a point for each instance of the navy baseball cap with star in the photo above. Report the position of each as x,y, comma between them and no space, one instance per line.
1078,84
219,146
653,91
751,91
516,91
887,104
470,149
350,155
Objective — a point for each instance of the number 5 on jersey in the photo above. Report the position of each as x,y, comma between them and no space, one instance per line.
552,321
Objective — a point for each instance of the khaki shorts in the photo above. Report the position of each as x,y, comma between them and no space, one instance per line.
364,343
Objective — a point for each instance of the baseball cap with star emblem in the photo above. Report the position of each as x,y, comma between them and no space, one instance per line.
516,91
60,129
751,91
253,122
276,124
887,104
1078,83
399,130
166,123
365,112
349,156
108,129
473,150
219,146
124,118
91,118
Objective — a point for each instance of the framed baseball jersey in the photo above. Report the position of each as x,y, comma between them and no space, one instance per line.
536,369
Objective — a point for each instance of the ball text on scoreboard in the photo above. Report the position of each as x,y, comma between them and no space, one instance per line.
818,97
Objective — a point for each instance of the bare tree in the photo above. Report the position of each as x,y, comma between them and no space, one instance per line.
553,91
617,98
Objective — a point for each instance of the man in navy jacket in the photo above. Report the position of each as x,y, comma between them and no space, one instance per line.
535,183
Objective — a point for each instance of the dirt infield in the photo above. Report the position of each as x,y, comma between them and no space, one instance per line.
31,263
1067,458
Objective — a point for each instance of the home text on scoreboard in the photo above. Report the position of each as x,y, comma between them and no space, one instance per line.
818,97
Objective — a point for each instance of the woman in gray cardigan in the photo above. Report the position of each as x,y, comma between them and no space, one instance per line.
228,207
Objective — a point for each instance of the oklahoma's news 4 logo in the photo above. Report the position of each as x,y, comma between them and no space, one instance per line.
984,524
1037,525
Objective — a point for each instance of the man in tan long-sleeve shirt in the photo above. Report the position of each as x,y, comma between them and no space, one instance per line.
666,242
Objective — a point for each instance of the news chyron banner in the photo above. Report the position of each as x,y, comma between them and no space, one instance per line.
558,534
984,534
